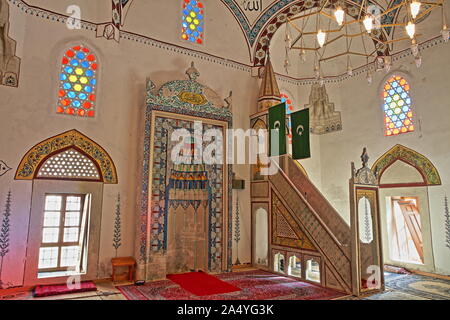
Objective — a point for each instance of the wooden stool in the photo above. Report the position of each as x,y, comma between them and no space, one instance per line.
123,262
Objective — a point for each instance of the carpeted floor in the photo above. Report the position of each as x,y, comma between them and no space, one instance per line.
258,285
254,285
413,287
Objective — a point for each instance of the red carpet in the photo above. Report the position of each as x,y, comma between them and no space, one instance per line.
59,289
254,285
202,284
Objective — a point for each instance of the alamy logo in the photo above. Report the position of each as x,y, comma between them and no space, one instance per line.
74,20
208,147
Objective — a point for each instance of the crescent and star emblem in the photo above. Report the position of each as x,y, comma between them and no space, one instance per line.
277,125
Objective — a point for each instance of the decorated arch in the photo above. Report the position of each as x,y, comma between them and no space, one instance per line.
428,171
275,20
76,144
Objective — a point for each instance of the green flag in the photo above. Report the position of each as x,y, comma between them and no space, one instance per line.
300,135
277,130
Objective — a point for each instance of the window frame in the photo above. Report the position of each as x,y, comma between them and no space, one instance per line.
60,244
180,34
31,276
414,106
56,56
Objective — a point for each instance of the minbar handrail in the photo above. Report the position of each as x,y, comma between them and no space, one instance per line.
283,174
324,198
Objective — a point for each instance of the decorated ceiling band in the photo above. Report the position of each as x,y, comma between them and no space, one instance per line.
51,16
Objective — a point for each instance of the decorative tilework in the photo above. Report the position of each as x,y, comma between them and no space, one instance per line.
37,155
170,98
251,33
145,40
338,256
283,226
161,189
417,160
175,97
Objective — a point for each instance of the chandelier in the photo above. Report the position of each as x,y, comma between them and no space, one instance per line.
355,31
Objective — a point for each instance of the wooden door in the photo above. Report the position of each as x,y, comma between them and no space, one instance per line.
412,219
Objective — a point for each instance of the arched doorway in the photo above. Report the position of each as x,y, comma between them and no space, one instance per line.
404,177
67,173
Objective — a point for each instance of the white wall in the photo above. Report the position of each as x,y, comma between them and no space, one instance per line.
362,117
28,115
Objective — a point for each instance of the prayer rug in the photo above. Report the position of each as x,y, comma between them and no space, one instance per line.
202,284
254,285
60,289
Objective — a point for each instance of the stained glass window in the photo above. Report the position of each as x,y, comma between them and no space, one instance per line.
78,81
193,21
289,109
397,107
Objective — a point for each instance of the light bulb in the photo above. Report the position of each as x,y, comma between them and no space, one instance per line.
321,37
411,29
339,14
415,8
445,33
368,23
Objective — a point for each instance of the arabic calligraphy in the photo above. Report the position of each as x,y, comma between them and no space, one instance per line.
192,98
252,5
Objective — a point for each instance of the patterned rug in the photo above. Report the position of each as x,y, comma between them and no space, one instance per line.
254,285
413,287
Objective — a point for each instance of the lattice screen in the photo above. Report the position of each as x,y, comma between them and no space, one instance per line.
69,164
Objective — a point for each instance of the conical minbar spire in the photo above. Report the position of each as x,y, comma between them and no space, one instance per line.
269,94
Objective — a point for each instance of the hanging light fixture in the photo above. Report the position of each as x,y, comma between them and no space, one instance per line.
349,71
387,63
368,23
302,55
414,48
349,67
445,33
316,70
369,77
418,61
411,29
321,37
288,41
339,14
415,8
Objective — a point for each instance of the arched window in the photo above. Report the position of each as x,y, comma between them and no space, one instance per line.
193,21
312,270
78,81
398,115
278,262
70,165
